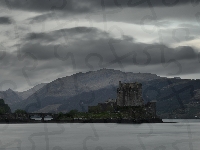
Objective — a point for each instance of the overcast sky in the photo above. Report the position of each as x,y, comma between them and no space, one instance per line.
42,40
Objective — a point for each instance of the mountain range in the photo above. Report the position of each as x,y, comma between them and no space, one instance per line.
81,90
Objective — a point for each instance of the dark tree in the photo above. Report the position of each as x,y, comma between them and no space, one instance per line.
4,108
20,111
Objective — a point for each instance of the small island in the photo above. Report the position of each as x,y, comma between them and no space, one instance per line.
128,107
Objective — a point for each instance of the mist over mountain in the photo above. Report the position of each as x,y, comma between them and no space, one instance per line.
10,97
83,89
25,94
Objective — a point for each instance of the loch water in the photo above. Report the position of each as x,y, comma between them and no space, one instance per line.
183,135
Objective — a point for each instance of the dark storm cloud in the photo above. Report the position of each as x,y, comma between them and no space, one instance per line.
39,36
41,55
5,20
68,33
41,52
124,10
45,5
55,53
87,43
41,18
81,6
146,3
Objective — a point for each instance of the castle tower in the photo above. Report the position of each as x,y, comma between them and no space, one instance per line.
129,94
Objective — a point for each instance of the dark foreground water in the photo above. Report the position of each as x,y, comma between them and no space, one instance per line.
184,135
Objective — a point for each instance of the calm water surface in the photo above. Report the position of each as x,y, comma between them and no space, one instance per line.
184,135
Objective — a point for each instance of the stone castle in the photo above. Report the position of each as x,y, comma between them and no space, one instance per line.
128,95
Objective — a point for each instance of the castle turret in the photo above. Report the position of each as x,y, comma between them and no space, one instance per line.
129,94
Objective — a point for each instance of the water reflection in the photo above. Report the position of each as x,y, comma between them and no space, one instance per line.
41,118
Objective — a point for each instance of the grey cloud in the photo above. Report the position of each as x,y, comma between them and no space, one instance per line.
66,51
148,3
5,20
189,29
82,41
37,19
41,52
86,49
67,34
41,18
185,52
39,36
81,6
45,5
179,34
157,16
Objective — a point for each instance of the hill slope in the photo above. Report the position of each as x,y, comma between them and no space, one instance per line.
10,97
83,89
81,86
25,94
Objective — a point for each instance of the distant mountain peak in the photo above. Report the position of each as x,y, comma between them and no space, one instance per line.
9,90
27,93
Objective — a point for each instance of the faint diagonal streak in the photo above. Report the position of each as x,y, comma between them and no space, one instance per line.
93,138
46,134
140,136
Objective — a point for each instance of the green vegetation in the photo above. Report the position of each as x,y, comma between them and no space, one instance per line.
121,113
4,108
20,111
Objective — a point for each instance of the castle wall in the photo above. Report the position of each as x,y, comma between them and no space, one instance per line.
103,107
129,94
150,108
